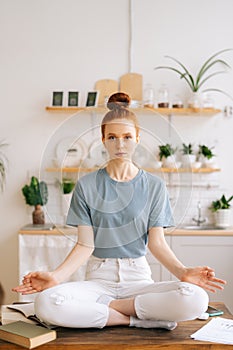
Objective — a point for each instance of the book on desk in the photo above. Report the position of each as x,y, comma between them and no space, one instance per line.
26,334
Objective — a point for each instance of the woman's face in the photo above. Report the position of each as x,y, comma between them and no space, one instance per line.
120,139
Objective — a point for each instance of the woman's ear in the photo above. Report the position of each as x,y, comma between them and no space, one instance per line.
138,138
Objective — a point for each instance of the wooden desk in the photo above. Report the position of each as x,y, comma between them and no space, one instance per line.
124,338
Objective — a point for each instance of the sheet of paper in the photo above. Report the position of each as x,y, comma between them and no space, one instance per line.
218,330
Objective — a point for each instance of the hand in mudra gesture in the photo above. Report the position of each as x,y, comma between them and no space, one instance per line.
204,277
35,282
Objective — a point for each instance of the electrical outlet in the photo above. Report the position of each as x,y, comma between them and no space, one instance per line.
228,111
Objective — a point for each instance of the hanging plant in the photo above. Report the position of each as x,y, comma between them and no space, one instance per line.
3,166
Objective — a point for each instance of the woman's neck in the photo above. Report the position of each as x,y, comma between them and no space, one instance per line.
121,171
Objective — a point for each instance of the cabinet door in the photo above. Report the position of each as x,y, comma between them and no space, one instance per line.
214,251
45,253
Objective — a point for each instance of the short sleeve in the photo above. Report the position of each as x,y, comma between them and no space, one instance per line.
79,212
161,212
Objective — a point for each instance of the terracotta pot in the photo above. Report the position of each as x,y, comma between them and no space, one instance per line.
38,216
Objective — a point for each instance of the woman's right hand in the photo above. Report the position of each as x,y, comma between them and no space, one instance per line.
35,282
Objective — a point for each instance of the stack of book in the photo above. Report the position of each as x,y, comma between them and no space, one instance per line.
21,326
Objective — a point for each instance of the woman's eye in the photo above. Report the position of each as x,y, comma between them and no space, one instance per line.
111,137
128,137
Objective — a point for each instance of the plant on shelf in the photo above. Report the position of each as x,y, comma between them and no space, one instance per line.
188,156
167,155
67,185
187,149
205,151
166,151
3,166
206,155
36,194
204,74
221,209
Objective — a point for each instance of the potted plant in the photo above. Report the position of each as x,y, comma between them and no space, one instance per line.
188,156
206,155
67,187
167,155
36,194
3,166
196,83
221,209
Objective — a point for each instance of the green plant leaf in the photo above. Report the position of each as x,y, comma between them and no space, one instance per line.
218,90
186,71
182,75
208,77
209,60
200,76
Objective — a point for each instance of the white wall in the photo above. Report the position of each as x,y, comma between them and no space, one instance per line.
63,44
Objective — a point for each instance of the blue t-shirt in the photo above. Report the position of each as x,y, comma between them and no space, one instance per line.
120,213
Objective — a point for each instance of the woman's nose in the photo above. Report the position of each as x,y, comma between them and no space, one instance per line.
119,142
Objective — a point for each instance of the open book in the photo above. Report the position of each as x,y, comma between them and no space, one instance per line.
20,312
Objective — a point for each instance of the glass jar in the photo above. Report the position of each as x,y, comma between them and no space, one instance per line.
177,102
148,96
163,97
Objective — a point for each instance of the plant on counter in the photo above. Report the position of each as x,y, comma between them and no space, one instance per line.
196,83
221,209
221,203
36,194
3,166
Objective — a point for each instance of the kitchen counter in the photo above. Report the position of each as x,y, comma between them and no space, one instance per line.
194,232
68,230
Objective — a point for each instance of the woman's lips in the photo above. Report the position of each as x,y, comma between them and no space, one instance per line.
120,154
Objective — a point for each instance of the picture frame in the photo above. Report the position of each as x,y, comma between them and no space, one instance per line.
57,98
73,98
92,98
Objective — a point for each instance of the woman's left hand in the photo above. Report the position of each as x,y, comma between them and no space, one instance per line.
204,277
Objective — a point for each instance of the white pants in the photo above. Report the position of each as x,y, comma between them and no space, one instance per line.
74,304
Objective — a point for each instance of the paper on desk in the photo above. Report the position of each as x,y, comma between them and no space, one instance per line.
218,330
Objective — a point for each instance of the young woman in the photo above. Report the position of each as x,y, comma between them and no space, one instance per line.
119,211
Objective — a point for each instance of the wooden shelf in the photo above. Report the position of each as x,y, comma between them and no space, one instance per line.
71,170
151,170
164,111
183,170
64,109
186,111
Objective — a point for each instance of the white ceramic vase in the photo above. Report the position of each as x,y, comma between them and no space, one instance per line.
196,100
222,218
188,160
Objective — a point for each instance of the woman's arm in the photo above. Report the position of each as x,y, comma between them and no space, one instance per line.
203,276
163,253
37,281
78,255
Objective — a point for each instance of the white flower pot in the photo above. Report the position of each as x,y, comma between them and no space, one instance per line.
222,218
188,160
66,199
169,162
195,101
